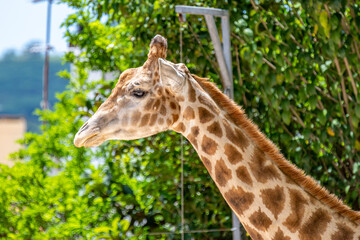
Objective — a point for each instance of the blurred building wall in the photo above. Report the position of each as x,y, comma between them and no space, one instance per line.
12,128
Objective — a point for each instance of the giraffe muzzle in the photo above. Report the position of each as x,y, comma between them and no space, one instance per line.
86,136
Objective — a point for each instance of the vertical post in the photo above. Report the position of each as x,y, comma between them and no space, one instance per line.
225,30
182,148
210,22
45,101
223,56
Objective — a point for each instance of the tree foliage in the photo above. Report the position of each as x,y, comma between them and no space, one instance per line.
295,68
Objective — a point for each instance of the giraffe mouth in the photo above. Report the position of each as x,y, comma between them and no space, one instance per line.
86,138
91,141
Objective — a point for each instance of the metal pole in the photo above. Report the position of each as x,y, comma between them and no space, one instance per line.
223,56
229,90
217,12
218,51
225,30
182,153
45,101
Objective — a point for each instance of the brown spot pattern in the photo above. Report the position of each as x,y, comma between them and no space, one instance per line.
253,234
343,232
260,220
153,119
195,131
208,145
274,199
193,140
191,93
262,172
135,117
243,174
233,155
315,226
297,204
145,119
222,173
239,200
215,129
161,121
175,117
289,180
236,136
279,235
149,104
208,103
189,113
163,110
180,127
204,115
192,136
207,163
172,105
157,104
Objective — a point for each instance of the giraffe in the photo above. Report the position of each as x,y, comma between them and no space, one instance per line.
272,198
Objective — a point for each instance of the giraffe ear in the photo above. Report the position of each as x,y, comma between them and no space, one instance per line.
170,76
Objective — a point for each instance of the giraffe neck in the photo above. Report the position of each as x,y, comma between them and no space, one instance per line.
268,203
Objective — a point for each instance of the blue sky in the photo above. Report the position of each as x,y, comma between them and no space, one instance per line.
22,21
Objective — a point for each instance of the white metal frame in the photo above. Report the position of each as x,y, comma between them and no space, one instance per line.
222,52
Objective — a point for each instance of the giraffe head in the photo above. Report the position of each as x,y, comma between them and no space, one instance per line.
142,102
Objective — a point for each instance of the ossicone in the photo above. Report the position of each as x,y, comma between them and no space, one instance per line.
158,47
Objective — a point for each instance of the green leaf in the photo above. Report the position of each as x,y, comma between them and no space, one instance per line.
334,21
323,67
313,101
249,33
347,188
102,229
324,22
356,167
357,110
114,223
245,53
124,224
286,117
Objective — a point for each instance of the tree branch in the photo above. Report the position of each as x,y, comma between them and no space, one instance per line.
239,72
319,90
351,78
343,90
342,108
297,116
269,63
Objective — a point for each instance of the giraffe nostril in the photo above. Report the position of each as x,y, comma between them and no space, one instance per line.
84,127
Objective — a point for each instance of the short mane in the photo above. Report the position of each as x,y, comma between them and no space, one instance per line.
298,176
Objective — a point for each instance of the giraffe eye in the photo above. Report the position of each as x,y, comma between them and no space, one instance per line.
139,93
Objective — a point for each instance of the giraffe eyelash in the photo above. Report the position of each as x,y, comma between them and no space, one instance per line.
139,93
